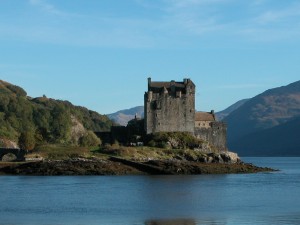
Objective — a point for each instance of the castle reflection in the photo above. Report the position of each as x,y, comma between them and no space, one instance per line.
171,222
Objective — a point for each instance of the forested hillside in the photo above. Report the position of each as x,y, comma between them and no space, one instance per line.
45,120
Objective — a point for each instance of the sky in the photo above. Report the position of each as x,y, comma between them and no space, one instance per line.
99,53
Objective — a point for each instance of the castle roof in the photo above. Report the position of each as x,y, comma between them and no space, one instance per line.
204,116
166,84
157,86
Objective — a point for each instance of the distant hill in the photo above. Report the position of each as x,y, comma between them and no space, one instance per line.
222,114
281,140
123,116
44,120
272,108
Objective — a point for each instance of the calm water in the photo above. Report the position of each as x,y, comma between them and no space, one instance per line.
264,198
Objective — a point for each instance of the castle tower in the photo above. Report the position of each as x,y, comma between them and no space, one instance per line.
170,106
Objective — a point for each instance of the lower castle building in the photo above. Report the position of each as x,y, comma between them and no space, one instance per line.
170,107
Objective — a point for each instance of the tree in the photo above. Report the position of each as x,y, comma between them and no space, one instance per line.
61,124
89,140
27,140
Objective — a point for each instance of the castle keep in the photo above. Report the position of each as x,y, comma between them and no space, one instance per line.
170,107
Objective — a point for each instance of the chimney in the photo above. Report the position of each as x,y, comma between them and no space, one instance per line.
149,83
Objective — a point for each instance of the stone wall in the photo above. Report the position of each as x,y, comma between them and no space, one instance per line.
215,135
170,110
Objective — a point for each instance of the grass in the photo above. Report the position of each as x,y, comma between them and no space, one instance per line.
143,153
139,153
55,152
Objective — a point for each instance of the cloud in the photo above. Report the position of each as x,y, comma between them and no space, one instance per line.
276,16
176,23
45,7
193,3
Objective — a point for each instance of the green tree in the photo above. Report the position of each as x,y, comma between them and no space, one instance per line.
89,140
27,140
61,124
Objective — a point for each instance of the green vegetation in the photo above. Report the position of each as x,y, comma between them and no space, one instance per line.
89,139
60,152
144,153
32,122
174,140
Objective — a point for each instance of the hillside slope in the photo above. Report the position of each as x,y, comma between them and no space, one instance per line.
281,140
269,109
222,114
43,120
123,116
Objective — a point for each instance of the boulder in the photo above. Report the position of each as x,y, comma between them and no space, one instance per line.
9,157
230,157
5,143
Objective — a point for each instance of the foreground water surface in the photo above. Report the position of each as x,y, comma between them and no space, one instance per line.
263,198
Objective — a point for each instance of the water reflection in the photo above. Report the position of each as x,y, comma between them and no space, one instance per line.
171,222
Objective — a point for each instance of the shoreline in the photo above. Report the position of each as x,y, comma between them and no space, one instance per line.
120,166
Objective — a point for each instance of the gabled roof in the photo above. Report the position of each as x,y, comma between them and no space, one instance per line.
204,116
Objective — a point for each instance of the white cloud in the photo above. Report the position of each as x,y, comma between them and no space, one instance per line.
279,15
45,6
193,3
177,23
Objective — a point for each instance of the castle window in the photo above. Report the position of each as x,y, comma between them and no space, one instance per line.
190,110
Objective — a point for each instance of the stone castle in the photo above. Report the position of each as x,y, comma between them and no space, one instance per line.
170,107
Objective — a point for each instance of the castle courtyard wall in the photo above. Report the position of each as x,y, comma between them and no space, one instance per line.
215,135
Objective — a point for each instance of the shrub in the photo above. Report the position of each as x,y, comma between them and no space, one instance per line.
27,140
89,140
175,140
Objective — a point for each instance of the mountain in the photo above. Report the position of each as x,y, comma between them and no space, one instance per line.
44,120
272,108
222,114
123,116
281,140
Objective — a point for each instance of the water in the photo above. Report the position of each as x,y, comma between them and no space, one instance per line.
264,198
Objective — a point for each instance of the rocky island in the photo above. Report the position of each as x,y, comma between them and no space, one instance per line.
50,137
131,161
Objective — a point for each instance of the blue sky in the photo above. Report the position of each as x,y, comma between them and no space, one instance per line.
99,53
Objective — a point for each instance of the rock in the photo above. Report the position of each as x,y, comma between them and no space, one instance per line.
230,157
173,143
209,159
77,129
9,157
5,143
218,159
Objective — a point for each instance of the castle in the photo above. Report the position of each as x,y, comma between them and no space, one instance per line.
170,107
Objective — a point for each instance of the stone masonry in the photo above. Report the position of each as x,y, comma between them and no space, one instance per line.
170,107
